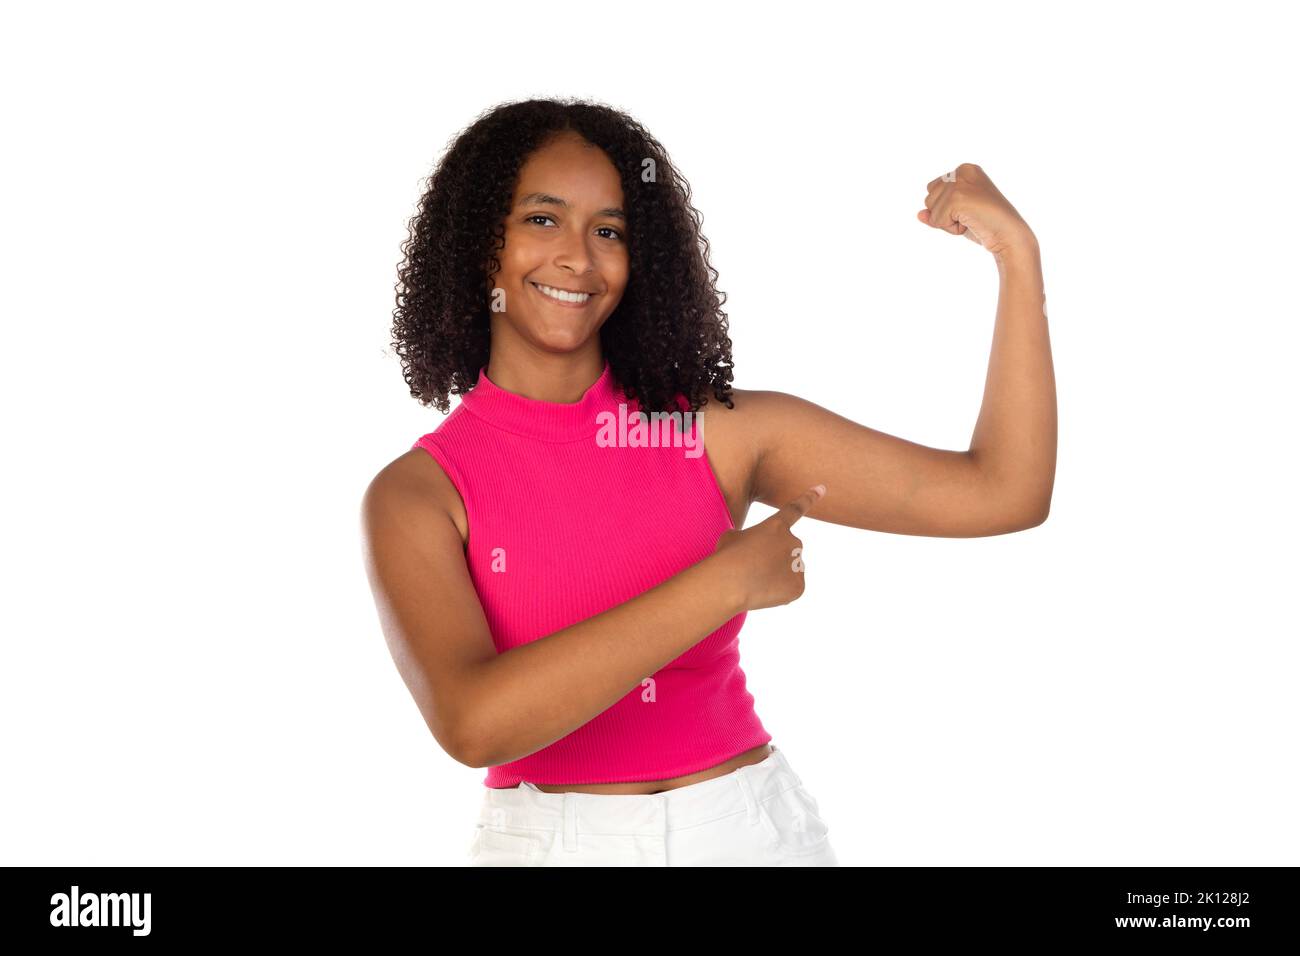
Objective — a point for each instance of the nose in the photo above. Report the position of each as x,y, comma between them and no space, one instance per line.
574,254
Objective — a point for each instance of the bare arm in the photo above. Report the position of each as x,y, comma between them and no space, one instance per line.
535,694
487,709
1014,445
1003,482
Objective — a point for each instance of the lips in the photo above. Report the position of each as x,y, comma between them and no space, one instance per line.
563,288
541,289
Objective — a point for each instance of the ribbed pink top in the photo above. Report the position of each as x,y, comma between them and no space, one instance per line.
563,526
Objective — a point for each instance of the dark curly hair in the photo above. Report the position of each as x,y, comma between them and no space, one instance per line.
668,335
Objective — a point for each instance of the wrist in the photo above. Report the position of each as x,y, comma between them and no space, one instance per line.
728,582
1021,254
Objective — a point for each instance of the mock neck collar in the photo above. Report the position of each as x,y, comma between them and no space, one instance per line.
547,421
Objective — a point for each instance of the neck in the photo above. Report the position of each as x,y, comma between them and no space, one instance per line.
546,377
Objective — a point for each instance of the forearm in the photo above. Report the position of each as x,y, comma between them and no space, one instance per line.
1014,443
532,695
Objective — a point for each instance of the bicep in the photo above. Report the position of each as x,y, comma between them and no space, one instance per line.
430,613
874,480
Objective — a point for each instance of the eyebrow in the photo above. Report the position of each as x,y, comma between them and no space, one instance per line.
546,199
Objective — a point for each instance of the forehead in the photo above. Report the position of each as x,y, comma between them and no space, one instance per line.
572,169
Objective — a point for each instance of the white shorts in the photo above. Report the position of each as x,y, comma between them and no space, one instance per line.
758,815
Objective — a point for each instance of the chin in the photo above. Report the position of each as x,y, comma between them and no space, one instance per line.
560,342
560,337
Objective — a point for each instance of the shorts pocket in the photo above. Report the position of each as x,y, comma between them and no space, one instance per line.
509,846
799,826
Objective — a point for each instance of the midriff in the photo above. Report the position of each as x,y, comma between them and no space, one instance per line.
755,755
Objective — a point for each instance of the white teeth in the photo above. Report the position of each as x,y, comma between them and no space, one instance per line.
561,295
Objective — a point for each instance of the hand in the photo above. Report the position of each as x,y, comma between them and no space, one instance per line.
966,203
767,558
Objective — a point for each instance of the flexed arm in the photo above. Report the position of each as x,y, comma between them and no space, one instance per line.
1003,482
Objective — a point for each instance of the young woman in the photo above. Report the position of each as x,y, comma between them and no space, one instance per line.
562,586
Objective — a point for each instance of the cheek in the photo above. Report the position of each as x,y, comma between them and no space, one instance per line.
622,285
517,253
616,268
510,257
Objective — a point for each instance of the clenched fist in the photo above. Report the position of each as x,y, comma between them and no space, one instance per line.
966,203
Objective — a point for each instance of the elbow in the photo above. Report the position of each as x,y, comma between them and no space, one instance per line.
465,747
460,750
1034,517
482,733
1009,520
480,747
473,744
1015,506
1043,510
467,734
1021,508
454,734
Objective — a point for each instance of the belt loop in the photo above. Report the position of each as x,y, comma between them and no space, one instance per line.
754,813
747,791
570,822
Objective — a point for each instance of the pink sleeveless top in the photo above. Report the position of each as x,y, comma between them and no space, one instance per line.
573,509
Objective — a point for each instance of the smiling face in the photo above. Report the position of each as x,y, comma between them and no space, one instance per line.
565,262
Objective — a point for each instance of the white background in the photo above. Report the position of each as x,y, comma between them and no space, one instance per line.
202,212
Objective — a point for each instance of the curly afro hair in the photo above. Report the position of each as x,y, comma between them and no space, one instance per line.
667,337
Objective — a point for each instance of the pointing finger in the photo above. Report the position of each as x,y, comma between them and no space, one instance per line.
796,509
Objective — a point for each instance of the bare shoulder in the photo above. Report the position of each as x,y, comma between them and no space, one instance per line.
751,407
730,436
429,611
736,419
415,482
755,406
761,428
